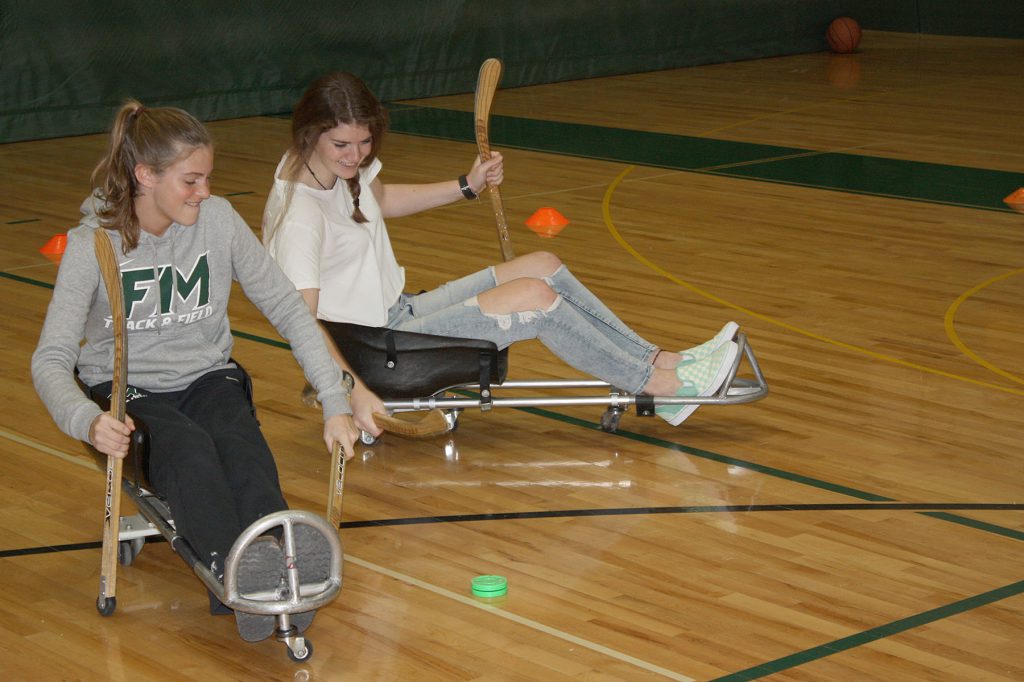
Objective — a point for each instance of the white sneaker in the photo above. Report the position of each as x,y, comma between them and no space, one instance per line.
726,333
700,379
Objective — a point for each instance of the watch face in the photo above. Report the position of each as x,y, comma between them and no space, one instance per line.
347,382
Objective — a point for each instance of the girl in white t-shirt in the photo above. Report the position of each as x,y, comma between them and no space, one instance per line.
324,224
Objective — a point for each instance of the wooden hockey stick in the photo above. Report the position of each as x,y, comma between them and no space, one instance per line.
486,86
337,489
107,601
431,423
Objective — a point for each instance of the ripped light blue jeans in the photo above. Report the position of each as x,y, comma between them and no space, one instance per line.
577,327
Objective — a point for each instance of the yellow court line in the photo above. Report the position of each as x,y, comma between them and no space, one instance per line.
606,211
955,338
35,445
541,627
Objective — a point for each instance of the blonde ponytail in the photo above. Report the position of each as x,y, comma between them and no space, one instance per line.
152,137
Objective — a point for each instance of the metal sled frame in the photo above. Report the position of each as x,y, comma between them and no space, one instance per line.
154,518
734,391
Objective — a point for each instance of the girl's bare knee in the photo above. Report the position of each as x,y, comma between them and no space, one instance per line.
544,263
519,295
538,294
538,264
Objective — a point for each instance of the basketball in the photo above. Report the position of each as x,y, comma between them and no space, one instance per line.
843,35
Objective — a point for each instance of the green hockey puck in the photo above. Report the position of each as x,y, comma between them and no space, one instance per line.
490,586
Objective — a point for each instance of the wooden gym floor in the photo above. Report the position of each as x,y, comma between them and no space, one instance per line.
864,522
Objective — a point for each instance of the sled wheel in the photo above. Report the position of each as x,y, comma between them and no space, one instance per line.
304,654
106,605
610,420
128,550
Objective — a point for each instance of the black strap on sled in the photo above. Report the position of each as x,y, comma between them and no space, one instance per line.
487,360
645,405
391,358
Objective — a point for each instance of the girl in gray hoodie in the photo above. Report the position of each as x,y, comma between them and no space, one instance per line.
179,250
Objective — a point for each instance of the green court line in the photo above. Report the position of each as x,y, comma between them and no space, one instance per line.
801,657
977,188
260,339
26,280
678,447
978,525
868,636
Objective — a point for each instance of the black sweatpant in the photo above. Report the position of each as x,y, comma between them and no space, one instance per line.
209,460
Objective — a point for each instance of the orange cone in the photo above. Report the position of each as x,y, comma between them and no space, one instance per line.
54,248
547,222
1016,200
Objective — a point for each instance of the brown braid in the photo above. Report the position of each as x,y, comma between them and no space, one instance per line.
354,189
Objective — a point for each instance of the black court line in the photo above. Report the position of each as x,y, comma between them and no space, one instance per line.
621,511
70,547
50,549
701,509
671,445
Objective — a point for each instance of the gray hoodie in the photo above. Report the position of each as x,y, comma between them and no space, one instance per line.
176,290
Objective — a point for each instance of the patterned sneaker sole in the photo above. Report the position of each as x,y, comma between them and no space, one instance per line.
253,627
314,555
261,568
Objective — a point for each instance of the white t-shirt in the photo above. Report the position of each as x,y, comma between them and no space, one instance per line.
319,246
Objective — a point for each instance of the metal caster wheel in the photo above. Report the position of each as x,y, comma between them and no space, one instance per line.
128,550
367,438
610,420
304,654
106,605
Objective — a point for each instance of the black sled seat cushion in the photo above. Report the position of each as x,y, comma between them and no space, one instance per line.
403,365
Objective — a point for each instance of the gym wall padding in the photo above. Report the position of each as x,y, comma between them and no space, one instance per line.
980,18
66,66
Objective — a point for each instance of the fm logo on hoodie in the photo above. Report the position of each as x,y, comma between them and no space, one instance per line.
158,296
